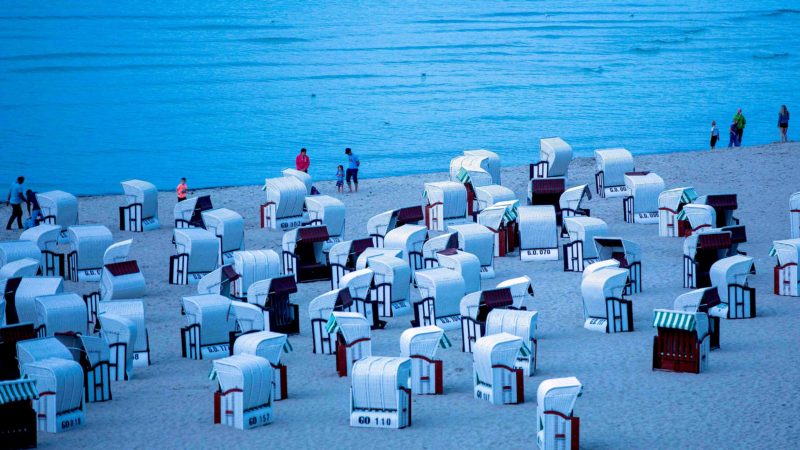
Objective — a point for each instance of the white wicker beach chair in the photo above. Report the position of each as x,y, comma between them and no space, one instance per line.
496,378
472,171
189,213
554,158
391,285
474,308
605,307
26,267
794,215
304,253
580,251
557,428
88,244
670,204
46,237
283,209
132,310
373,252
522,324
700,251
611,165
122,281
208,324
328,211
270,346
307,180
490,162
420,345
787,254
249,318
641,203
730,276
465,264
120,334
629,255
432,247
570,201
446,204
342,257
197,253
273,296
701,301
380,393
501,219
724,205
228,227
353,341
319,311
59,314
410,239
486,196
11,251
683,342
21,294
58,208
60,404
521,291
253,266
244,397
440,292
479,240
140,212
361,283
538,233
380,224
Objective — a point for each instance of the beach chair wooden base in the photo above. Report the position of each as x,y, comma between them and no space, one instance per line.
509,391
786,280
620,312
228,410
17,425
679,351
49,421
383,418
569,439
192,348
608,191
427,375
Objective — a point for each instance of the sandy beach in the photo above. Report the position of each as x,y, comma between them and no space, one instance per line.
746,398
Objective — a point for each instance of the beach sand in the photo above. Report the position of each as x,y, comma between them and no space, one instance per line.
746,398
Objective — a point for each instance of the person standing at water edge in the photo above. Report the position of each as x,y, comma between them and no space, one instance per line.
302,161
352,168
740,123
714,134
181,190
15,199
733,140
783,123
340,179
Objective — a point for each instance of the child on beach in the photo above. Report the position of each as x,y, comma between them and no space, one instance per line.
734,135
714,134
340,178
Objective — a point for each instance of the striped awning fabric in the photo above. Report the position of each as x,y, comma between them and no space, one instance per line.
673,319
689,195
463,175
18,390
332,327
444,342
212,374
287,347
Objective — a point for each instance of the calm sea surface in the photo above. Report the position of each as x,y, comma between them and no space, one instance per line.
95,92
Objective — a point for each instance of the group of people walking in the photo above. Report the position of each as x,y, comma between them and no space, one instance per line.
302,162
736,129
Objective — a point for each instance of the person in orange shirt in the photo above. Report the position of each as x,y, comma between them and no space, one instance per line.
302,161
181,190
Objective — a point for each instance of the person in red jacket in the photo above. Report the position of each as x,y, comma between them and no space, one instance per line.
181,190
302,161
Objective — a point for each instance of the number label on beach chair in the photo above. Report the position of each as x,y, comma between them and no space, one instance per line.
214,351
539,254
258,418
374,420
596,324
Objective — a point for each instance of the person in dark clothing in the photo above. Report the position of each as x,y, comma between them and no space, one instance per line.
783,123
15,199
34,211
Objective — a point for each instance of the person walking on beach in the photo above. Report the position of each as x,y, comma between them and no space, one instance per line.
783,123
340,178
734,135
740,123
34,210
352,168
15,199
714,134
181,190
302,161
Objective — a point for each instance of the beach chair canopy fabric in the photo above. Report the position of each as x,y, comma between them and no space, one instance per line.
251,374
116,329
571,198
288,194
521,290
91,243
304,177
556,395
476,239
201,245
26,267
490,162
710,239
675,199
445,286
470,170
681,320
434,245
11,251
408,238
600,265
266,344
787,251
558,155
61,313
258,293
64,377
492,194
697,300
60,205
117,252
586,229
452,196
699,216
32,350
723,204
394,271
122,281
359,282
144,193
421,341
464,263
351,325
512,321
212,313
248,317
256,265
376,380
537,227
329,210
625,251
191,210
346,253
132,310
229,225
24,297
499,214
363,259
45,236
614,163
322,306
731,270
495,350
644,187
600,285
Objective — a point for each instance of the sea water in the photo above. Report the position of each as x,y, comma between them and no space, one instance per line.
226,93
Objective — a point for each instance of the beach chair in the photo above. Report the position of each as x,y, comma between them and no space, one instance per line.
697,217
120,281
303,254
794,215
208,322
140,212
486,196
477,239
501,219
21,294
521,291
17,417
629,255
373,252
670,204
304,177
419,345
319,311
380,224
682,343
474,308
361,283
228,227
243,399
391,285
465,264
59,314
538,233
410,239
472,172
730,276
434,245
700,252
343,256
58,208
557,428
724,205
88,244
46,237
12,251
120,335
440,291
353,342
253,266
273,296
196,254
249,319
580,251
489,160
189,213
283,209
218,281
380,393
611,165
787,254
701,301
554,158
328,211
547,192
496,378
270,346
26,267
133,311
569,204
640,205
446,203
605,307
522,324
60,404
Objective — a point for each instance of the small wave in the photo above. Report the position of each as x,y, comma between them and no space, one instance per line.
677,40
782,12
695,30
273,40
84,55
770,55
228,27
598,69
646,50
